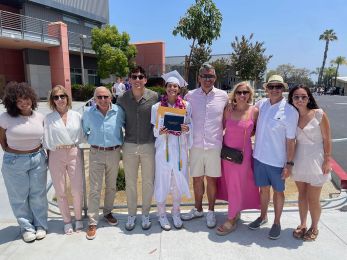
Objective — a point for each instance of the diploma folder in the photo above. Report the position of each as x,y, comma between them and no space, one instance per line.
173,122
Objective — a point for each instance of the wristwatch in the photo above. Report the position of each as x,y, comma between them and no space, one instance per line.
290,163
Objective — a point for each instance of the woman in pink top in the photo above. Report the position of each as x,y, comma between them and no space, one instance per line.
236,185
24,165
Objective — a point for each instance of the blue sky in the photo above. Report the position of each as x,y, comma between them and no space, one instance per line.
289,28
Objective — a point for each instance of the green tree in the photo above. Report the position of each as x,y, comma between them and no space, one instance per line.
328,75
248,58
222,68
327,36
201,24
340,60
201,54
114,52
293,75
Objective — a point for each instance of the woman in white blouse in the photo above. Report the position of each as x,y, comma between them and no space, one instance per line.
62,134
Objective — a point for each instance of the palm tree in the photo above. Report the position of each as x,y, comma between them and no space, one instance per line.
340,60
327,36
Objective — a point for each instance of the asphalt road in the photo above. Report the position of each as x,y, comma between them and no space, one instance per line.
336,109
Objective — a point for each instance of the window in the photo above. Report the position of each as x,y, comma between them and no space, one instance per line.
70,19
93,78
76,76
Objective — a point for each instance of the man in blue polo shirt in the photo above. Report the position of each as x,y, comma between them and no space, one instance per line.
102,125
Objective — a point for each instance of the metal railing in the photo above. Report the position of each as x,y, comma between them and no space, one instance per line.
18,26
77,40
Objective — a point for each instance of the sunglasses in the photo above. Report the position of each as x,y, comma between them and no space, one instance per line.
102,97
135,77
277,87
244,92
303,98
207,76
57,97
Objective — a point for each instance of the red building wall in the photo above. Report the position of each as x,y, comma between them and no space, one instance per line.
12,65
151,56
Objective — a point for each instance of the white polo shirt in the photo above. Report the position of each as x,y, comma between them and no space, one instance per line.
275,124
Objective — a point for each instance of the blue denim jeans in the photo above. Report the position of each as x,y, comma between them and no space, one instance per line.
25,177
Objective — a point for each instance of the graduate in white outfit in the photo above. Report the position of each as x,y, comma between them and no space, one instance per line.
171,156
62,134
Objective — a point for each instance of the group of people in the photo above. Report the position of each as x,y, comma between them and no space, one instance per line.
292,138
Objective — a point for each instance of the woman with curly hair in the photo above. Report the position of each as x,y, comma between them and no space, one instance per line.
62,134
24,165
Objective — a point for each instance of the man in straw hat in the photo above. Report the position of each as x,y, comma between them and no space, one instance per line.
274,150
208,104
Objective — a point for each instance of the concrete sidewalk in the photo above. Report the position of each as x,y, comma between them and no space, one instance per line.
194,241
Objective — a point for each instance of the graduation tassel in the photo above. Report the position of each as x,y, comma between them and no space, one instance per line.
179,154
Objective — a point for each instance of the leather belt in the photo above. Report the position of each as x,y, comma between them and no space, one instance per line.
111,148
66,146
10,150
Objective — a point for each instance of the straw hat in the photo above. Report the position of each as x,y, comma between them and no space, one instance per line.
276,79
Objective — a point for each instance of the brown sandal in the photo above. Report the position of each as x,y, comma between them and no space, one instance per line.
226,228
311,235
299,232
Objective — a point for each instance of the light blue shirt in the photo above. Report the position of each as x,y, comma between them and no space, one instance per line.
104,131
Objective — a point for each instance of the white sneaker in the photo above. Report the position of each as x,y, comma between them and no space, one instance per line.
193,213
164,223
40,233
130,225
177,221
146,222
211,219
68,230
28,236
78,225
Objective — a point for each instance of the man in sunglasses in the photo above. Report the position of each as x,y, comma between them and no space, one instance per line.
208,103
138,146
274,150
102,125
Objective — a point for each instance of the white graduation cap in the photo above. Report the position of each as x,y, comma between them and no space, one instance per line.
174,77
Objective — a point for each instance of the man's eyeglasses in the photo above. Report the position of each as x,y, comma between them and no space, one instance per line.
102,97
57,97
277,87
303,98
207,76
244,92
135,77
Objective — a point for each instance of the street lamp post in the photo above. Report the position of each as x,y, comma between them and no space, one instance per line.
82,37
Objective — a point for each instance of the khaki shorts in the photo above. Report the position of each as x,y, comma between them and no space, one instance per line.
205,162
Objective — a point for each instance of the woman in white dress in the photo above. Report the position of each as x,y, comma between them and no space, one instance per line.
312,159
62,134
171,156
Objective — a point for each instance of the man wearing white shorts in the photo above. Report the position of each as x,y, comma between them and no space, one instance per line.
208,104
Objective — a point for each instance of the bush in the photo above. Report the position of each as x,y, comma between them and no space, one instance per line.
159,89
121,179
82,93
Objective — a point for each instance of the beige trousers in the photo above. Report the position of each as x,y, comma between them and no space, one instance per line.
133,156
102,163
